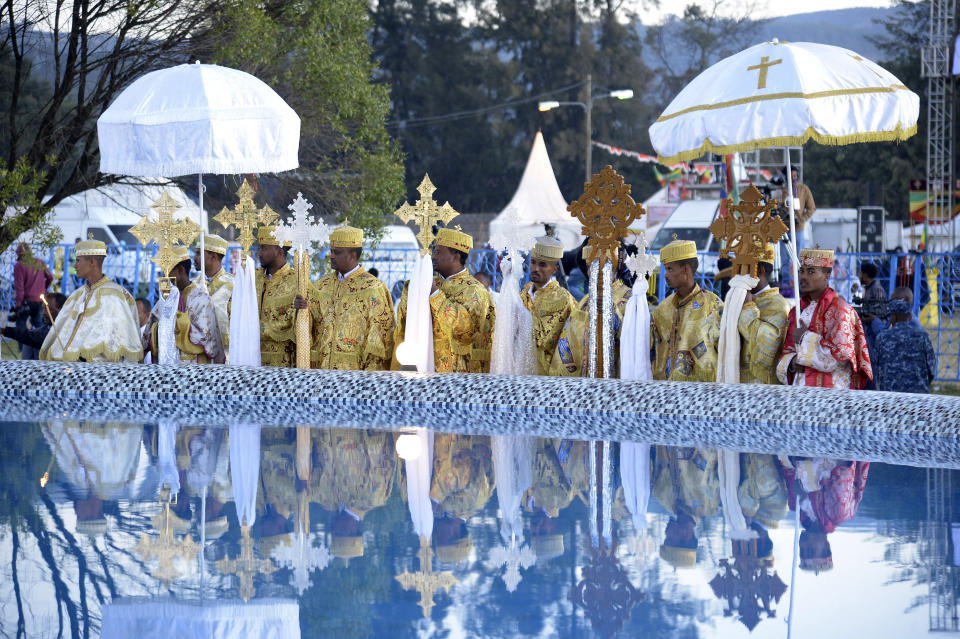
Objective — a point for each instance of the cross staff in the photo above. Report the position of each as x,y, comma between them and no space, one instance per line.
747,229
166,548
166,232
246,565
246,217
425,581
425,213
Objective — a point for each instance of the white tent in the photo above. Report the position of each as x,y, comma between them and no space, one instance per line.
538,201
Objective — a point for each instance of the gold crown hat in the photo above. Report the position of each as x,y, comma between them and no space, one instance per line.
816,257
455,552
769,253
547,547
678,250
346,547
347,237
88,248
548,248
455,239
180,253
265,237
679,557
215,244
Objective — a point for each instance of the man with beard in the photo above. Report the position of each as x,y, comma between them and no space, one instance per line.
548,302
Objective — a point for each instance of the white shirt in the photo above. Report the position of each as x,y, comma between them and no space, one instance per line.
344,276
534,289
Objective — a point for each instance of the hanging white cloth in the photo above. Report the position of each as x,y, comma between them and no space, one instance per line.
417,346
245,470
245,317
166,451
419,471
166,313
513,472
162,618
728,372
514,348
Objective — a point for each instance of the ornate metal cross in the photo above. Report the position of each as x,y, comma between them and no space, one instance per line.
746,230
246,217
748,587
166,231
303,229
246,566
166,549
643,263
606,212
425,581
425,213
514,558
303,557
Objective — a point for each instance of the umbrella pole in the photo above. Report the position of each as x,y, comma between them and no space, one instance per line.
793,566
203,536
203,232
793,238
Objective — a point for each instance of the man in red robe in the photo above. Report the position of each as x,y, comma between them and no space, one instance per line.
828,348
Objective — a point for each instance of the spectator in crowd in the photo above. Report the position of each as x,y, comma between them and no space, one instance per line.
31,339
373,271
484,278
873,290
31,278
904,356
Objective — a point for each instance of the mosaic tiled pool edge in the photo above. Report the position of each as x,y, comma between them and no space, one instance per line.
891,427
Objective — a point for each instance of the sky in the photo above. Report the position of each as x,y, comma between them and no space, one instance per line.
765,8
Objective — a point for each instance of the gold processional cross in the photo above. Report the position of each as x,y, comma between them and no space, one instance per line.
246,217
425,581
764,66
606,210
166,549
167,232
747,229
246,566
425,213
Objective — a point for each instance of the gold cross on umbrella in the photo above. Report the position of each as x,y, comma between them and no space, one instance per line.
606,212
166,549
166,231
746,230
425,213
246,566
246,217
763,67
425,581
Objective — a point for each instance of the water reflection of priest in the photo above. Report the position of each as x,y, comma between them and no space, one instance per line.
560,474
685,483
461,485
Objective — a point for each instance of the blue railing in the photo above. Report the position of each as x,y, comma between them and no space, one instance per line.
934,279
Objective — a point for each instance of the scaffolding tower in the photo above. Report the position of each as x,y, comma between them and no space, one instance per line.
935,66
943,576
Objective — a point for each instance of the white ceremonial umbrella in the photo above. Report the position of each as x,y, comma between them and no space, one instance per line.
782,94
231,619
198,118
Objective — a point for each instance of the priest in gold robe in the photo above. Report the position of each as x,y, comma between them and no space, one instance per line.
685,482
763,327
196,331
549,303
352,313
461,485
99,321
219,282
461,309
685,326
276,293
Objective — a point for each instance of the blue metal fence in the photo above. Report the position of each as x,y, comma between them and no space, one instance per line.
934,279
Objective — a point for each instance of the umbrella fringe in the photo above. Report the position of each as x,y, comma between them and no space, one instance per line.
220,167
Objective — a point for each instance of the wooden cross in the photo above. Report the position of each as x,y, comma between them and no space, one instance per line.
747,229
747,585
426,582
246,566
425,213
166,232
764,66
246,217
606,212
166,549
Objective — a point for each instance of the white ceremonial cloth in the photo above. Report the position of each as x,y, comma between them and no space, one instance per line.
514,348
245,470
783,94
245,317
417,347
728,372
419,472
198,118
167,452
98,460
166,312
163,618
513,472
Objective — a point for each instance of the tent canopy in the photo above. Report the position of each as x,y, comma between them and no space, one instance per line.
538,201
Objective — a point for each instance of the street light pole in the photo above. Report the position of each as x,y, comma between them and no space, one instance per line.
589,109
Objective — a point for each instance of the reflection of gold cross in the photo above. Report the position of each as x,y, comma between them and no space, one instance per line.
606,212
165,549
246,565
426,582
246,217
167,232
746,229
425,213
763,66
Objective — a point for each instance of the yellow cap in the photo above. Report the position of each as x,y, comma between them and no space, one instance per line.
347,237
455,552
88,248
215,244
455,239
547,546
768,255
265,237
548,248
816,257
678,250
346,547
180,253
679,557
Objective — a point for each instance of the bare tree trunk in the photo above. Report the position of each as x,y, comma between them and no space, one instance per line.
21,620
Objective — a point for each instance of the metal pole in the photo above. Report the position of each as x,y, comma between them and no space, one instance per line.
203,232
589,125
793,238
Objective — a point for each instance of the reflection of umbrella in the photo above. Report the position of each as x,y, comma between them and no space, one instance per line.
781,94
168,618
